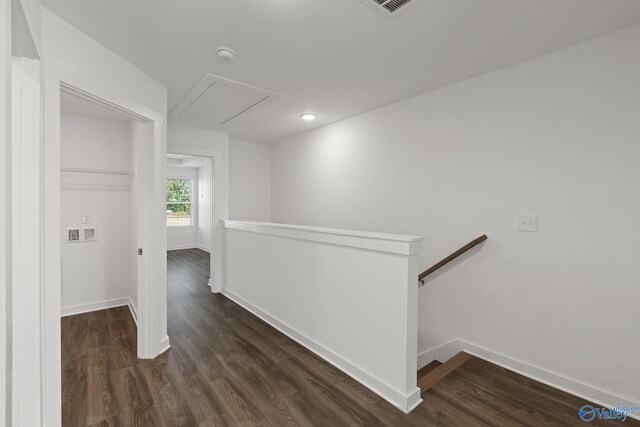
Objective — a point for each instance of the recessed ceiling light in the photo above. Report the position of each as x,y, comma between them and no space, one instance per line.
308,117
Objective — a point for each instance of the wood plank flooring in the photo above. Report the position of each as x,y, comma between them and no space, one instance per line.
228,368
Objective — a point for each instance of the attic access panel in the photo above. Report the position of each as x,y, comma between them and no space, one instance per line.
216,100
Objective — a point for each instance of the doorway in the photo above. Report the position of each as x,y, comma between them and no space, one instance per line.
99,214
113,202
189,218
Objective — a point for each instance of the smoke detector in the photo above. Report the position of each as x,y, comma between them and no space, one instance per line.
225,53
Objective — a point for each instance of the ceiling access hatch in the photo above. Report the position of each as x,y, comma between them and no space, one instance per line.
216,100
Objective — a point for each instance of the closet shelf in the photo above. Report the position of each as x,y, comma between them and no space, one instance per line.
96,171
95,178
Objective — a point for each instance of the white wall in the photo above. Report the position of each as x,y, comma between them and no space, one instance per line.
555,137
250,181
5,214
31,9
348,296
205,204
243,172
74,59
82,62
187,236
94,273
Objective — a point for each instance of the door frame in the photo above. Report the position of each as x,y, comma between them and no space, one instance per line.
151,291
218,211
26,240
20,222
5,216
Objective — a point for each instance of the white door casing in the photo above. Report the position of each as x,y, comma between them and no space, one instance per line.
26,244
151,290
219,208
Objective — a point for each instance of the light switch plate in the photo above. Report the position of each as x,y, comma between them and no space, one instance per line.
527,223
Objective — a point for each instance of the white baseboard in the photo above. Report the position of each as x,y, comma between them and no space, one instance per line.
180,247
94,306
214,289
441,353
134,311
405,403
577,388
101,305
164,345
192,246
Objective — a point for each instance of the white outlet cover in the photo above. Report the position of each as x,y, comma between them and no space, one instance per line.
527,223
73,235
89,234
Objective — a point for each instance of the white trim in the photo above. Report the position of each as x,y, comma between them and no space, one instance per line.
192,246
219,196
27,323
151,293
101,305
164,344
81,84
404,402
51,253
74,90
181,247
571,386
94,306
441,353
5,211
381,242
134,311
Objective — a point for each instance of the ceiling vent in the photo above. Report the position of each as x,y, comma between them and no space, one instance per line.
391,8
216,101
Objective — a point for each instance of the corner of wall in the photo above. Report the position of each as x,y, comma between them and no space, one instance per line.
250,180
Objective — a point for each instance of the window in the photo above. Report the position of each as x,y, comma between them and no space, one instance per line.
179,202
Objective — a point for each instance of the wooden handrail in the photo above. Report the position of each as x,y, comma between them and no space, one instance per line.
451,257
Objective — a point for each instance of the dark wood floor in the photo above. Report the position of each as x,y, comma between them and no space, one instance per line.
227,368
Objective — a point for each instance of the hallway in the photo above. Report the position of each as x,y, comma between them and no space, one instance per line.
226,367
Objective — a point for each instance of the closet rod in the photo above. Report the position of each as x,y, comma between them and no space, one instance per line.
97,171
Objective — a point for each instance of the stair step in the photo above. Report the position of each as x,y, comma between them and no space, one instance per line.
430,367
435,374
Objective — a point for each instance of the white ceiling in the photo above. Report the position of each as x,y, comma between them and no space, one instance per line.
70,104
335,58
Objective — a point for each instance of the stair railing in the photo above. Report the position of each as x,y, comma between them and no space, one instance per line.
451,257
